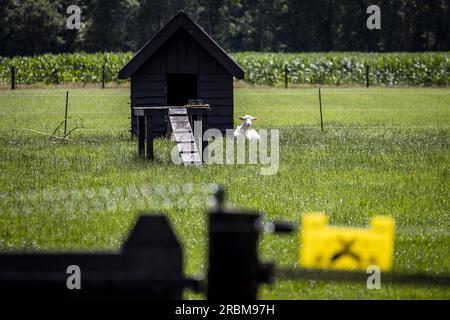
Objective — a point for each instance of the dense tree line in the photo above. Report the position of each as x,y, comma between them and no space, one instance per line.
30,27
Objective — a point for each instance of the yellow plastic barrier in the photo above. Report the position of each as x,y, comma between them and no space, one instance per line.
327,247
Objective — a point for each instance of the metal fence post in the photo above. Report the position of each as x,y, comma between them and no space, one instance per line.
367,75
103,76
285,76
13,78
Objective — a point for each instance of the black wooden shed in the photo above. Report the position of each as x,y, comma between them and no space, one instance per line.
180,63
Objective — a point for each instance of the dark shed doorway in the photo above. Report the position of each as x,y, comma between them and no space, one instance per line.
181,88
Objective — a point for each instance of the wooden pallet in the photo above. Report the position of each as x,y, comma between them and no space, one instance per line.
184,137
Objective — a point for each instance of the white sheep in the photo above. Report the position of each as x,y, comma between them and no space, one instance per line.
245,130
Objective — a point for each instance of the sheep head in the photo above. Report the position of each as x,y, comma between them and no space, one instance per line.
248,120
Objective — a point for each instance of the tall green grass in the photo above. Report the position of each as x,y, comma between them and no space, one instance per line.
63,68
335,68
338,68
383,151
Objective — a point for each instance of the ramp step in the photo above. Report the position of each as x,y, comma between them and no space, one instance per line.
187,147
184,137
177,111
177,118
181,126
190,157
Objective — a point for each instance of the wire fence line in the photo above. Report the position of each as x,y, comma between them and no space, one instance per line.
380,91
80,129
301,109
61,112
132,192
429,231
275,127
62,96
364,127
289,92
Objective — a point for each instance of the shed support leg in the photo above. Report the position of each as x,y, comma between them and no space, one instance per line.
141,135
204,143
133,122
149,137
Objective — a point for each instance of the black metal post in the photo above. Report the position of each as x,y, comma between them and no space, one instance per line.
367,75
13,78
233,261
204,144
65,116
141,135
285,76
234,269
103,76
149,137
320,105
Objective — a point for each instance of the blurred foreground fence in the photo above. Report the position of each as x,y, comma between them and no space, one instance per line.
150,265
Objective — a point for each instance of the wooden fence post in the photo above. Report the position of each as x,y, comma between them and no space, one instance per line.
13,78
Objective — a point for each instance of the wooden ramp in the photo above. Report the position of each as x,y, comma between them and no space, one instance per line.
184,137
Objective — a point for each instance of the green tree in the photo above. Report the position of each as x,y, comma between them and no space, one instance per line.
106,25
36,26
149,17
29,27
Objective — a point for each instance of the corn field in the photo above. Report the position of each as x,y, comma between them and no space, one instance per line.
338,68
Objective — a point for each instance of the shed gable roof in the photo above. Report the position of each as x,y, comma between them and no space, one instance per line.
181,20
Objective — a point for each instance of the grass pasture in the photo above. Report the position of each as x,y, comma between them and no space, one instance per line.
383,151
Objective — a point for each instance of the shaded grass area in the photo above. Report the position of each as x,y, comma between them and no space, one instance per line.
87,194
